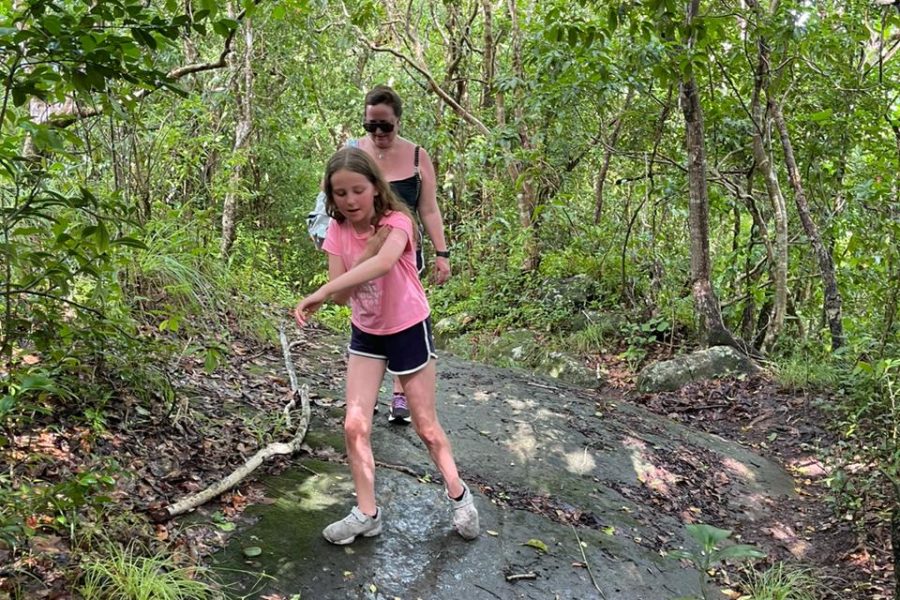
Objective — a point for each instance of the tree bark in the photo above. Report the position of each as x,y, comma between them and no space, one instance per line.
243,128
716,334
607,157
527,198
826,264
766,167
487,92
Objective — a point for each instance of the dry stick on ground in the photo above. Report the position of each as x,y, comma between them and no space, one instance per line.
587,565
273,449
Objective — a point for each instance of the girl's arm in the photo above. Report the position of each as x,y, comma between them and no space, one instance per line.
336,264
367,270
430,214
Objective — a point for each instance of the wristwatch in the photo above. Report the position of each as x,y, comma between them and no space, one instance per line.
442,253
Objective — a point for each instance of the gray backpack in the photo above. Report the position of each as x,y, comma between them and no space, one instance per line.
317,221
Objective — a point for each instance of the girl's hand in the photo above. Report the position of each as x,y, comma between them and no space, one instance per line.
374,243
308,306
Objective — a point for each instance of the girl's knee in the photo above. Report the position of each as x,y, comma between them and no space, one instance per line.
431,434
357,427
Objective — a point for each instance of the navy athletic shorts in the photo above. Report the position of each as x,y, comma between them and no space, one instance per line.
405,352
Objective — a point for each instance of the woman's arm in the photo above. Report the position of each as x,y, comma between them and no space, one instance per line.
430,214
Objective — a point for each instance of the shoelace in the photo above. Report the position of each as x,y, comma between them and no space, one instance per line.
399,401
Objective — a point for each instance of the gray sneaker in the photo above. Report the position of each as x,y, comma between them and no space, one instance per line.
356,523
465,515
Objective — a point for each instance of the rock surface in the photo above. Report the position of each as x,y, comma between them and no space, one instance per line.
583,475
711,363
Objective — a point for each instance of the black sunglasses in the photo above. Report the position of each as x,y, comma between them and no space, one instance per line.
373,127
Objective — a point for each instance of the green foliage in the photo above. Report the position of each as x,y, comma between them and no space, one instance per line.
868,418
131,573
31,506
810,370
711,552
781,582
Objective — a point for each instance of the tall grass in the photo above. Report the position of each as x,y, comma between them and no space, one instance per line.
125,574
782,582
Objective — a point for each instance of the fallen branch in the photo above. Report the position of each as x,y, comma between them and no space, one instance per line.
274,449
587,565
518,576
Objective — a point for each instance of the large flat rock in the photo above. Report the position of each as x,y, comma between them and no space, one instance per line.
583,475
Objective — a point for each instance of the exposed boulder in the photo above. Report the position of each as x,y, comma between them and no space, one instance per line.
522,349
711,363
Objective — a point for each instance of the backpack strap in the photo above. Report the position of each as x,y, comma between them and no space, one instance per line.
416,170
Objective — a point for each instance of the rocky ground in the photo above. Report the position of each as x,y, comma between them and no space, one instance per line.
581,490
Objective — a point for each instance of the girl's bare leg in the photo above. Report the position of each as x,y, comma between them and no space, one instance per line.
420,393
364,377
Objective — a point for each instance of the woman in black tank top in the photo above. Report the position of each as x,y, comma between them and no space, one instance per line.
407,167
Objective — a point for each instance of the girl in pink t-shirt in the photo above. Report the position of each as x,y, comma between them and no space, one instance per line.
371,263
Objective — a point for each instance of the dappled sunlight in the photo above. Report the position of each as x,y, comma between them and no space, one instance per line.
808,466
521,405
523,444
579,462
633,443
740,469
482,396
785,534
655,478
757,502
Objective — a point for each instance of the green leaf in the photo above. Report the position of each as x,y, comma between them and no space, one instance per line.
251,551
537,545
739,551
707,535
680,555
130,242
143,38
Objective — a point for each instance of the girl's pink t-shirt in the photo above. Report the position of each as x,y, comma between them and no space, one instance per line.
392,302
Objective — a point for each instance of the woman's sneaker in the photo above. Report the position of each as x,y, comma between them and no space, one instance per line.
356,523
465,515
399,410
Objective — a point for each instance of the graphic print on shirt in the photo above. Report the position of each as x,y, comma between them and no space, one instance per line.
368,298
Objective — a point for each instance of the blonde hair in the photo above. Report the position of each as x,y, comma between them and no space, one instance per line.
357,161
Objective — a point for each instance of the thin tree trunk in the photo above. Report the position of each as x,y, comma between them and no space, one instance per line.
704,294
607,157
487,94
826,264
776,198
527,199
244,97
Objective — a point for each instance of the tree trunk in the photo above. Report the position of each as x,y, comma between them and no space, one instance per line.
607,157
527,200
704,295
244,98
826,264
765,166
487,94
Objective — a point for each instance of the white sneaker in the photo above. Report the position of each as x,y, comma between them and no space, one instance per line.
356,523
465,515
